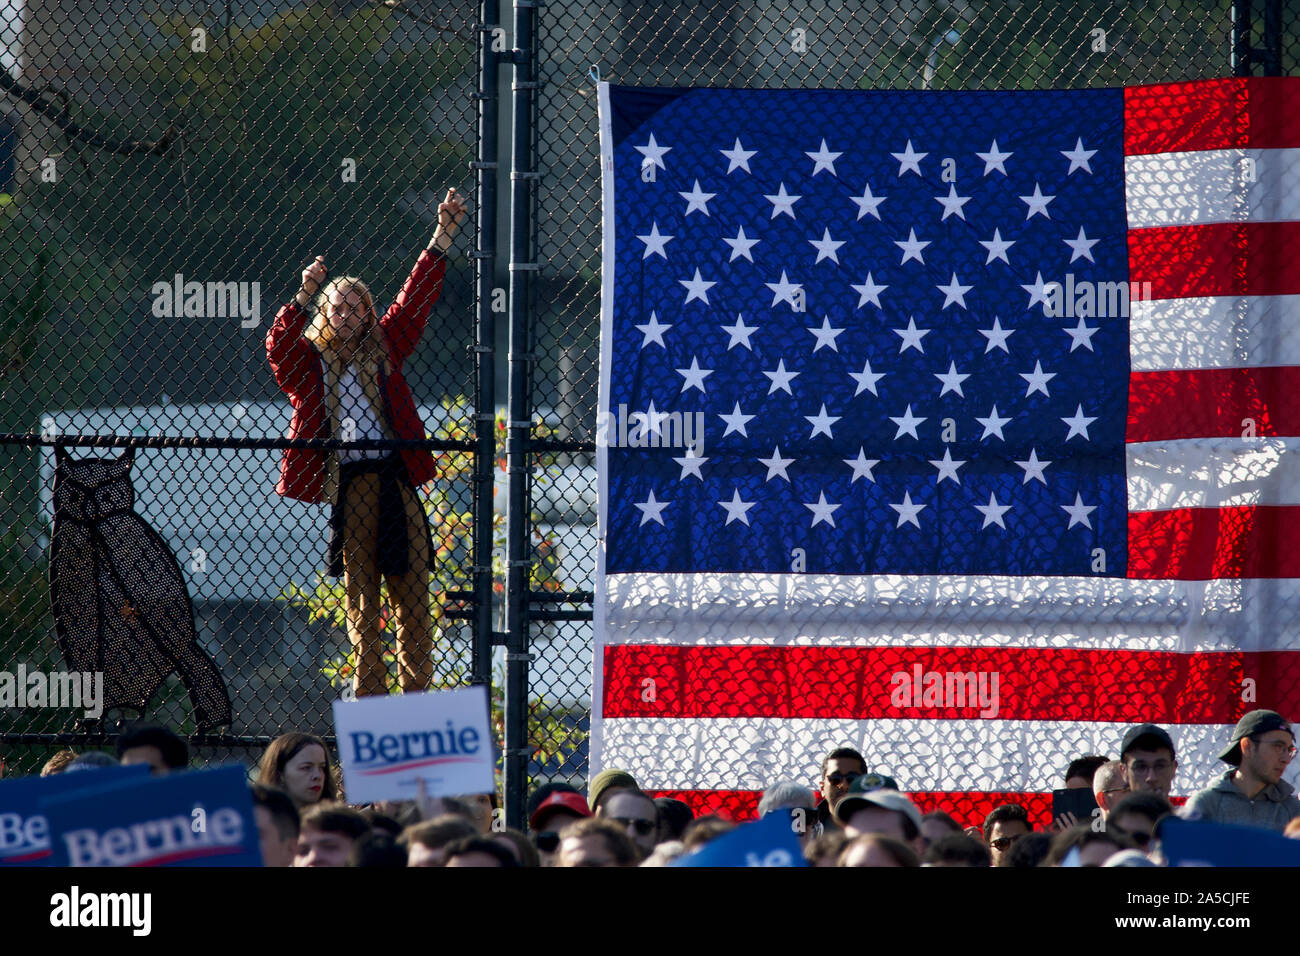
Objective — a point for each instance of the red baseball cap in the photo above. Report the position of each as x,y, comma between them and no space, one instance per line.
562,801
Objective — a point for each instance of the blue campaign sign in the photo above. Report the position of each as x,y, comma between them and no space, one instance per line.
24,831
1196,843
771,841
199,818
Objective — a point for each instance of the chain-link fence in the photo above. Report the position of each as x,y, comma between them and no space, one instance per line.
169,169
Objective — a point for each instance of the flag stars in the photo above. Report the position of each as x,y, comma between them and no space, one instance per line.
1079,157
954,293
993,513
1037,203
739,333
822,510
997,247
653,153
907,511
1081,247
655,242
1081,335
948,467
784,290
1078,512
868,205
952,203
651,510
822,422
776,465
909,160
781,379
911,337
997,337
738,157
694,375
1033,467
992,424
869,291
823,159
826,247
741,245
737,510
1037,290
867,379
994,159
697,288
690,463
653,331
826,335
911,247
861,466
736,421
951,380
1079,423
782,202
1037,380
906,423
697,200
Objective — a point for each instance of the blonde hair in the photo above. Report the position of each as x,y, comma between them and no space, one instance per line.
320,333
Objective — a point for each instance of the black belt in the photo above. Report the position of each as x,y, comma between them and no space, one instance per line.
393,546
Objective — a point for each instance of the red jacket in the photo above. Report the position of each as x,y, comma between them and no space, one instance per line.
298,371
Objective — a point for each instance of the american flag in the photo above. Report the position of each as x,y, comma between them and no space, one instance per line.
902,385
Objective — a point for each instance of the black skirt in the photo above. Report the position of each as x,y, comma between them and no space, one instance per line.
393,557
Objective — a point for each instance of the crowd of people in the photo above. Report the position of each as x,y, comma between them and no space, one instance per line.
854,816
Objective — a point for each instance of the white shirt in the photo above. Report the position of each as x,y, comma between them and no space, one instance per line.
354,410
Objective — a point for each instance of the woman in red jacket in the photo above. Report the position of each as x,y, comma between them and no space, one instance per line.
343,375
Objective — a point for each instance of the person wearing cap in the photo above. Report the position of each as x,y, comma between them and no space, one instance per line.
607,783
1254,793
869,807
1149,759
554,814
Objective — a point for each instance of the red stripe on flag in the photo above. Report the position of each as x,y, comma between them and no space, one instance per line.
1223,258
855,683
1214,403
969,808
1254,112
1198,544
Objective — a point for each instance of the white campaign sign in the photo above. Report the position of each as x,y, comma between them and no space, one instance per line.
388,744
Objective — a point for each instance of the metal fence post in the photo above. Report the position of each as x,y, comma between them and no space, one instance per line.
520,417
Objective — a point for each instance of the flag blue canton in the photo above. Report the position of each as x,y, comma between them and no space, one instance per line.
847,288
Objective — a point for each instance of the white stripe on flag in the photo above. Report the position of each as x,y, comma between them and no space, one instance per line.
1213,473
1214,332
1213,185
922,755
892,610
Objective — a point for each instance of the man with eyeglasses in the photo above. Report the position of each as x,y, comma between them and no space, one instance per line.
1254,794
634,813
1109,786
1003,826
839,769
1149,759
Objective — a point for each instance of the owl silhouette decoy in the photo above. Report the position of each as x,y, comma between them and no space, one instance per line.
120,603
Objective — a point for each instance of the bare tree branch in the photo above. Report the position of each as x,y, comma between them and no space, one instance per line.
58,115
